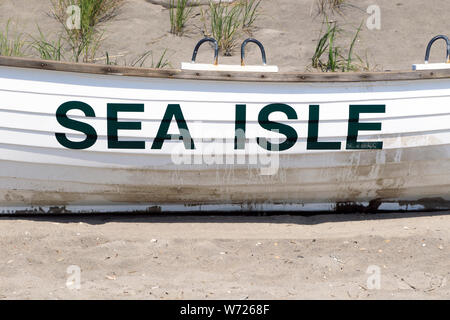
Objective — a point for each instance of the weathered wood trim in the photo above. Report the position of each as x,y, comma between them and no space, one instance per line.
223,76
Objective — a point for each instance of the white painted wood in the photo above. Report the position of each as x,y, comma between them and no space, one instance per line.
431,66
37,173
227,67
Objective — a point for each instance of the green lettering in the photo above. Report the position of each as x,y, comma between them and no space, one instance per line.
354,126
288,131
114,125
313,132
65,121
173,110
239,128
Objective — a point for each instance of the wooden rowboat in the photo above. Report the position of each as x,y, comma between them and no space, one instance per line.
100,138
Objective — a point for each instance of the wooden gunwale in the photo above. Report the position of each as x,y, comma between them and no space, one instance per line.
224,76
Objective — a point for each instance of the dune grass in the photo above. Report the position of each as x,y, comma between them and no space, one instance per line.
11,46
250,12
329,57
48,49
324,44
108,60
85,40
140,61
180,12
161,63
323,6
350,65
228,20
225,23
93,12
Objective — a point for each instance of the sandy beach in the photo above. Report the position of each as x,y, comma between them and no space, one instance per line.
226,257
289,29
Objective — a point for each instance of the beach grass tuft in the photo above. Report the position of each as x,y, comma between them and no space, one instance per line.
226,21
93,12
180,11
323,6
108,60
84,39
329,57
161,63
250,12
47,49
11,46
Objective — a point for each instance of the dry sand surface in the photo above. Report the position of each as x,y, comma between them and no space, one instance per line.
220,257
289,29
279,257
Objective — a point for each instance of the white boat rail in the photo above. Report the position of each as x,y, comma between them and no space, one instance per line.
434,66
237,68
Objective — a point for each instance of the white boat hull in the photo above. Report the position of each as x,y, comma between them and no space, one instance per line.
37,174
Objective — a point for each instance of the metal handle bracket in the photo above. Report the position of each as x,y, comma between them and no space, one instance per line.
261,47
216,49
430,44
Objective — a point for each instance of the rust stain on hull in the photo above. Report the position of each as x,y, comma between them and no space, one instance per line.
359,182
352,207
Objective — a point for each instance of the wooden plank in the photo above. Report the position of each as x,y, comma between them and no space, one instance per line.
227,67
224,76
